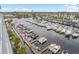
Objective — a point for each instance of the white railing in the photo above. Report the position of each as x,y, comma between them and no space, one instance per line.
6,46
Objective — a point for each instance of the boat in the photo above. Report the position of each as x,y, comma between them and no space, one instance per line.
29,31
59,29
32,35
68,33
43,25
41,40
63,31
49,27
55,28
75,35
54,48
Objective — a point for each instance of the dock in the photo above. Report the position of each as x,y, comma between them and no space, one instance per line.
32,46
43,50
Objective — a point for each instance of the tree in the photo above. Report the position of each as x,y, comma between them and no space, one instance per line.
17,14
20,14
34,15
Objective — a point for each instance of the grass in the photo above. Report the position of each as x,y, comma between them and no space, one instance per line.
18,48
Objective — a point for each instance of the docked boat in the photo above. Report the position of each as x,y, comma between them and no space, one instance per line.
54,48
63,31
49,27
43,25
59,29
28,30
41,40
68,33
75,35
55,28
32,35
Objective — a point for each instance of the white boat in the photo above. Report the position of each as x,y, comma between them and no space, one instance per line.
41,40
49,27
55,28
63,31
54,48
75,34
59,29
43,25
68,32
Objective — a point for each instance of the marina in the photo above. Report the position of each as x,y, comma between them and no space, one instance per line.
50,37
36,50
57,28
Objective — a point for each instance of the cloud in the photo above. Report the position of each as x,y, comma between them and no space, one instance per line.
14,9
66,5
72,7
3,9
21,9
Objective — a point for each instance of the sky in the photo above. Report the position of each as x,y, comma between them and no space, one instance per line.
40,7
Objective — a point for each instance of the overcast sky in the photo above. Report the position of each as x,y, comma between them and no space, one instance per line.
40,7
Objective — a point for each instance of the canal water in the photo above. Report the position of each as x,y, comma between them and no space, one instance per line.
69,44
